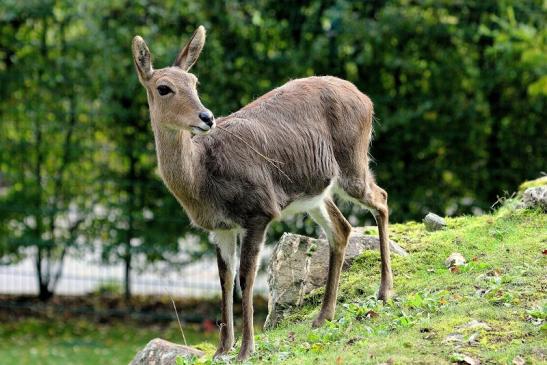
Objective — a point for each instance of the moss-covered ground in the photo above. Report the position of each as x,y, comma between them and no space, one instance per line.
492,309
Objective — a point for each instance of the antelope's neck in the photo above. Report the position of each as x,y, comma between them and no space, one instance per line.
178,161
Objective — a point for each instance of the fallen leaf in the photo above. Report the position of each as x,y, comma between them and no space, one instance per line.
291,336
454,269
339,360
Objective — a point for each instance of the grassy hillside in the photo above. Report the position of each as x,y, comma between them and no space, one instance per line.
493,309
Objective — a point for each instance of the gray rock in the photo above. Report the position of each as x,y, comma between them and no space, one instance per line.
299,264
535,197
161,352
455,259
433,222
473,325
454,337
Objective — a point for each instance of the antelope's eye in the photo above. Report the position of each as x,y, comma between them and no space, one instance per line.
164,90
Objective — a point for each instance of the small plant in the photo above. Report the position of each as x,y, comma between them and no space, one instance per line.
370,308
540,312
538,316
185,360
110,287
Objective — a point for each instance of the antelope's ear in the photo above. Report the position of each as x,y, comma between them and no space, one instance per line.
142,58
190,53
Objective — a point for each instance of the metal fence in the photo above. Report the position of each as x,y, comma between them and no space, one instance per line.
196,281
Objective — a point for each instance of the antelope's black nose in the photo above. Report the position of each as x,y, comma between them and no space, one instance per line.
207,117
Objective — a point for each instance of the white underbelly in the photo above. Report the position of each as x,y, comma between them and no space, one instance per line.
306,204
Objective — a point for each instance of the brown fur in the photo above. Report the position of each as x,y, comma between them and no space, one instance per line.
317,130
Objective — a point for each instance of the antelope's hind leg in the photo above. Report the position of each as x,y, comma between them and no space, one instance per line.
337,229
226,242
374,198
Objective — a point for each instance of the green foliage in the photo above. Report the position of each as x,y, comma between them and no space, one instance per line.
459,91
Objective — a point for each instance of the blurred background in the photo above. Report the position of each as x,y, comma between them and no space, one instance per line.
459,89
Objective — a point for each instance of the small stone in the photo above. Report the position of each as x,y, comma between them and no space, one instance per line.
519,361
474,324
454,260
161,352
454,337
472,340
433,222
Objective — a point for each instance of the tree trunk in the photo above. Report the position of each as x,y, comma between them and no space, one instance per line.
44,293
132,176
127,270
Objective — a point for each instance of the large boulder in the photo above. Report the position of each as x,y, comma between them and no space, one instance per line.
161,352
542,181
535,197
299,264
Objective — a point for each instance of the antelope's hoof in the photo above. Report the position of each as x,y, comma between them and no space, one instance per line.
318,322
245,352
223,348
244,355
385,294
220,352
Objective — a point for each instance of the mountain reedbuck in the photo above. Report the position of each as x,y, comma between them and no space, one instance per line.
281,154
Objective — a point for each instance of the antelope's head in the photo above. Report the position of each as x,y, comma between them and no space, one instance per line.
172,94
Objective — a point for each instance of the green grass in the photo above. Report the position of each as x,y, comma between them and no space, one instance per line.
503,285
542,181
72,341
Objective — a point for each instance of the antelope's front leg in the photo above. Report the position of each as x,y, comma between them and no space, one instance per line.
226,242
250,251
